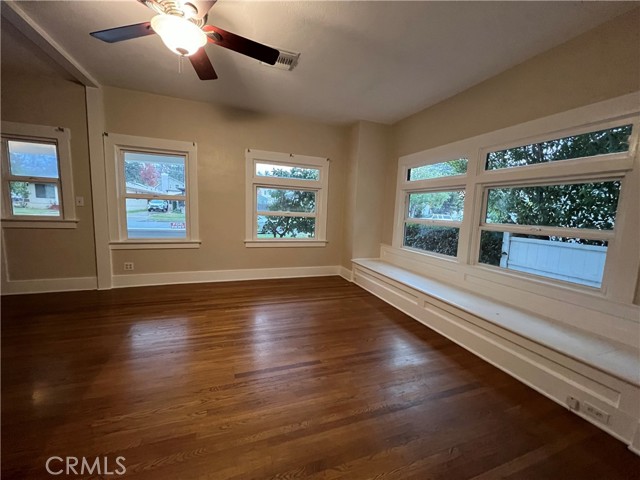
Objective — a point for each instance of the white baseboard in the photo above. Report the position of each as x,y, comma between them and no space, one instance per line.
554,375
345,273
148,279
44,285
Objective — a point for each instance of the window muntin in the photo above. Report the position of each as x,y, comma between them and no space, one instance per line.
36,174
285,213
598,222
601,142
572,225
155,195
438,170
432,221
286,199
36,163
153,185
286,171
590,205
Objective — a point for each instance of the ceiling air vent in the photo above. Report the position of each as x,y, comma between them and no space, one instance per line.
286,60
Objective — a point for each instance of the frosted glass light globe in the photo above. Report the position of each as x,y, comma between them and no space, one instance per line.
179,35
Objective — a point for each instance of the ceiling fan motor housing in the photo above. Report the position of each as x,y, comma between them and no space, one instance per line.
183,29
195,11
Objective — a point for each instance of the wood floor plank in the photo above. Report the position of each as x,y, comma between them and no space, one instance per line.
278,379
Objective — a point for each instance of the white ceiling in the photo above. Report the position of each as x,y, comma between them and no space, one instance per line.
368,60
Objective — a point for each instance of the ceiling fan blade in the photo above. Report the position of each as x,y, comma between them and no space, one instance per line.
118,34
241,45
202,65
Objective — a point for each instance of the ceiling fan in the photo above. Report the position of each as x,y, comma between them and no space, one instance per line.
183,29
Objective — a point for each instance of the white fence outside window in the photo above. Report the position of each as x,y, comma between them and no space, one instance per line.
571,262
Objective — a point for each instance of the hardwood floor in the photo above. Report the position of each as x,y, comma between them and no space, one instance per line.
283,379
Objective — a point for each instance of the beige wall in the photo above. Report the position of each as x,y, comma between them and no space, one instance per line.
50,253
350,196
222,135
368,158
600,64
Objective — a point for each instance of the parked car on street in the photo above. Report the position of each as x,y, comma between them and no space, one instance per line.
157,206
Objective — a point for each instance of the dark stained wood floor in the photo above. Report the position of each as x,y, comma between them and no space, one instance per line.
284,379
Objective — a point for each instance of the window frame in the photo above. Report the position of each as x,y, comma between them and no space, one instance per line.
61,138
431,222
254,181
621,266
115,146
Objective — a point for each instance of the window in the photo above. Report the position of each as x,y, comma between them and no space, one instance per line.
437,170
286,199
432,212
610,140
154,183
572,225
558,209
36,173
433,221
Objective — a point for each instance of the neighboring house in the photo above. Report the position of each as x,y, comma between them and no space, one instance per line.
167,186
42,195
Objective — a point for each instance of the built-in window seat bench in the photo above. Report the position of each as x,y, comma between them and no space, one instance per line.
597,378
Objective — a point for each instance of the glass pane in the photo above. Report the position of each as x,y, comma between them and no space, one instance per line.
570,259
283,171
32,159
437,170
271,226
153,218
582,205
280,200
611,140
154,173
443,240
437,205
40,199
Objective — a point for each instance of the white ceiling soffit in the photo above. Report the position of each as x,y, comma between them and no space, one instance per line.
369,60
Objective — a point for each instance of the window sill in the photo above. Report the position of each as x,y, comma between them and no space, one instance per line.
146,245
284,243
28,223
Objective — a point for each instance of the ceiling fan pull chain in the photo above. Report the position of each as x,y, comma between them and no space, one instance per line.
180,57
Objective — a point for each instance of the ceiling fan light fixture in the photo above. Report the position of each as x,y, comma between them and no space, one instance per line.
180,35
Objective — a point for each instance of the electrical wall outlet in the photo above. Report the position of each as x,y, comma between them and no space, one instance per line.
573,403
79,201
595,412
128,265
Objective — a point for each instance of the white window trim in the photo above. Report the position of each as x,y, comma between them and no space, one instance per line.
621,268
62,137
254,181
114,146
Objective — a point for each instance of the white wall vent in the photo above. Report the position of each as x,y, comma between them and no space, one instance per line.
286,61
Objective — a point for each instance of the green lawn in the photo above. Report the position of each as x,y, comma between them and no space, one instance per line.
49,212
166,217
